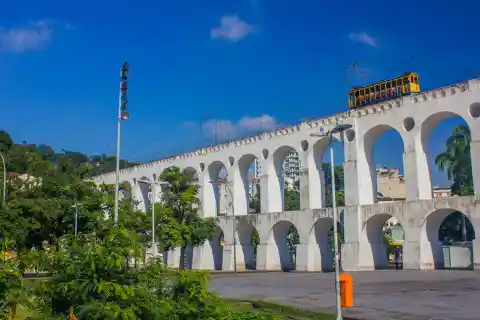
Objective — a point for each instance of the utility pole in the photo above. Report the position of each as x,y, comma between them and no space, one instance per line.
121,115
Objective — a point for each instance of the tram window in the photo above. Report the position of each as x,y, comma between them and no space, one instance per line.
406,80
377,88
389,85
356,93
382,86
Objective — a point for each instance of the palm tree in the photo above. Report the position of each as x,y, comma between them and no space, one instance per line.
456,161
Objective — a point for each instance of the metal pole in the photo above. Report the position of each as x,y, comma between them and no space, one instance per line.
76,216
117,168
4,178
335,236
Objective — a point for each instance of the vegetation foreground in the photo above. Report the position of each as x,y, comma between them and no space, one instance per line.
57,222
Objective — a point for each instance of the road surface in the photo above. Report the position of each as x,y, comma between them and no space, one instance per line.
378,295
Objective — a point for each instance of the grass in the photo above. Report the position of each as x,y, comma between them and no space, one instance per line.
22,313
277,310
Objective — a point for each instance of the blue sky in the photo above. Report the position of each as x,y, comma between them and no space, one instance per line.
251,64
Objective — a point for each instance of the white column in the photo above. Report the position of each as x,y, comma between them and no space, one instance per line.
209,197
475,155
271,190
312,182
415,166
140,196
239,188
352,193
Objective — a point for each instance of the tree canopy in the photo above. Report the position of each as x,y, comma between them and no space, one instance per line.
100,272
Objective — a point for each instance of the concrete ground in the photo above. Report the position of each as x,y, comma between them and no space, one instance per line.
378,295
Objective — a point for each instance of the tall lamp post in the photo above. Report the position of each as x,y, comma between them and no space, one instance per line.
4,178
75,223
153,184
339,128
224,182
122,115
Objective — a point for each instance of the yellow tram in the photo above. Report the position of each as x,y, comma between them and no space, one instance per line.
384,90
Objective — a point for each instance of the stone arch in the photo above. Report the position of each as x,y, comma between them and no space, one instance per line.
374,248
279,255
211,194
278,184
431,246
242,184
144,193
126,190
320,250
217,244
317,175
429,124
427,128
248,254
192,172
369,140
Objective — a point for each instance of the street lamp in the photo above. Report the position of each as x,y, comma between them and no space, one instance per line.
4,178
339,128
122,115
152,184
221,181
76,205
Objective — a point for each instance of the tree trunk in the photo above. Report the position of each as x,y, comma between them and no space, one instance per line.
181,265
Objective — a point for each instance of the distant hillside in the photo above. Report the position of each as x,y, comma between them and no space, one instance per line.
19,156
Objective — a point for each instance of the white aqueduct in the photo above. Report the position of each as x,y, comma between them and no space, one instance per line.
413,117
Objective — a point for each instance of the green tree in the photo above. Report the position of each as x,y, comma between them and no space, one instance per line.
6,142
180,196
254,204
456,161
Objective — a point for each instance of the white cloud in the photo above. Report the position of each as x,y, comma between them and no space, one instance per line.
364,38
227,129
232,28
31,37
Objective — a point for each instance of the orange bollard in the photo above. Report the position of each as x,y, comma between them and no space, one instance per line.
346,290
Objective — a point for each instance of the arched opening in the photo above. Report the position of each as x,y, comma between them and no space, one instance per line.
382,243
287,168
446,137
248,191
217,198
125,189
143,199
317,185
325,166
446,240
282,247
248,239
217,243
193,175
320,257
385,181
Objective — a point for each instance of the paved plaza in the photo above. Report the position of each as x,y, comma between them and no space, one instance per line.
379,295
